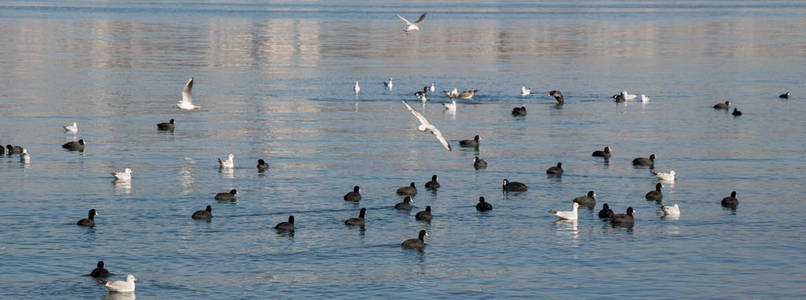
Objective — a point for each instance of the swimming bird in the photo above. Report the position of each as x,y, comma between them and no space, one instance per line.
646,162
627,96
514,186
356,88
668,177
424,215
262,165
483,205
72,128
353,196
602,153
623,219
74,145
722,105
286,226
671,211
412,26
13,149
433,184
417,243
730,202
526,91
479,163
389,84
100,271
422,95
207,213
557,96
228,163
90,220
567,215
410,190
656,195
467,95
519,111
120,286
588,200
736,112
227,196
166,126
784,95
406,204
605,213
555,170
433,87
425,126
358,221
187,98
124,176
470,143
450,107
451,94
24,156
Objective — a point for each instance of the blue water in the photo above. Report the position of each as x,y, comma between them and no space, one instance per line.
274,81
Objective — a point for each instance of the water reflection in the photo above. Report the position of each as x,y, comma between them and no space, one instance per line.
119,296
124,187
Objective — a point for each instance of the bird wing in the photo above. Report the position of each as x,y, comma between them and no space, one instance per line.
420,18
416,114
440,137
404,20
117,285
186,96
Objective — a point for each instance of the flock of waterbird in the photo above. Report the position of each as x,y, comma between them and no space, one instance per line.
588,200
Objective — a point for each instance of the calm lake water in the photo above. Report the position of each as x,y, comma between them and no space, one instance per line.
274,81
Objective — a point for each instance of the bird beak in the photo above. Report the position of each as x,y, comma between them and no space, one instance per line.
134,278
426,234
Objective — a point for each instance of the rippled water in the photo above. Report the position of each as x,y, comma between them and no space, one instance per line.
274,81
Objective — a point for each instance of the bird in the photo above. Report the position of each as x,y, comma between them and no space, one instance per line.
73,146
2,150
625,96
656,195
72,128
724,105
605,213
187,98
668,177
262,165
424,215
731,201
623,219
644,98
526,91
228,163
557,96
433,87
286,226
470,143
555,170
166,126
567,215
479,163
120,286
227,195
451,94
422,95
467,95
354,196
412,26
417,243
519,111
124,176
450,107
389,84
671,211
406,204
784,95
410,190
207,213
588,200
646,162
100,271
13,149
357,221
736,112
90,220
425,126
602,153
433,184
514,186
24,156
356,88
483,205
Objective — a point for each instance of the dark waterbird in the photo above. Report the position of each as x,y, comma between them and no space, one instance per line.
514,186
74,145
656,195
424,215
433,184
479,163
405,205
354,196
410,190
602,153
13,149
731,201
262,165
519,111
557,96
643,161
167,126
417,243
226,196
483,205
784,95
588,200
90,220
623,219
100,271
358,221
555,170
605,213
286,226
736,112
470,143
723,105
205,214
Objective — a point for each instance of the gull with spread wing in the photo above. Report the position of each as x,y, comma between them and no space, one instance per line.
412,26
187,98
425,126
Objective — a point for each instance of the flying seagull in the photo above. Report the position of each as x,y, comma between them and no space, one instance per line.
425,126
412,26
187,98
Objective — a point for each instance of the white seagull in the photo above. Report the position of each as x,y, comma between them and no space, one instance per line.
567,215
425,126
525,91
433,88
356,88
627,96
229,163
450,107
669,177
187,98
24,156
644,98
73,128
452,94
124,176
412,26
120,286
388,84
672,211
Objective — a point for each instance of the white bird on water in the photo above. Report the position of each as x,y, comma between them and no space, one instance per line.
124,176
644,98
450,107
627,96
356,88
526,91
452,94
425,126
433,87
187,97
671,211
388,84
72,128
120,286
228,163
412,26
669,177
24,156
567,215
